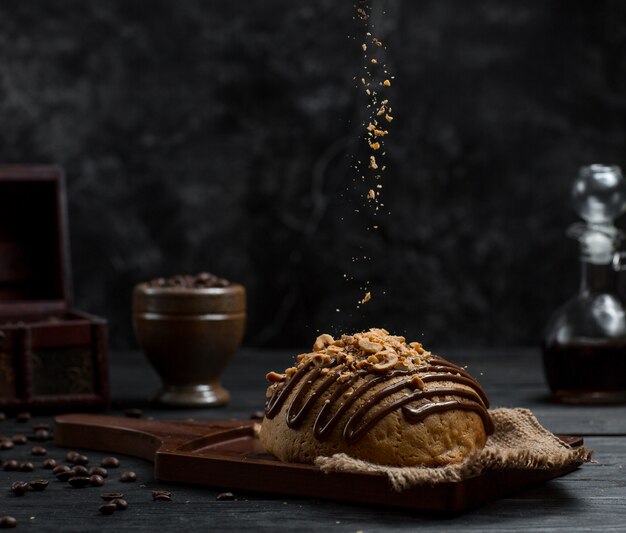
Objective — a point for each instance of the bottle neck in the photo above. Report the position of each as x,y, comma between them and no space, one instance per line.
602,278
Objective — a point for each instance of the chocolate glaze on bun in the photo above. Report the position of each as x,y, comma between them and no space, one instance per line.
374,397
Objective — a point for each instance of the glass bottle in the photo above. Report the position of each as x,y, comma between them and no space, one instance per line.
584,348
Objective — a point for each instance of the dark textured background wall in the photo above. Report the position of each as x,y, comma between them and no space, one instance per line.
206,135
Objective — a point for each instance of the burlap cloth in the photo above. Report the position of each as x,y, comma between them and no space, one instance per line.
519,441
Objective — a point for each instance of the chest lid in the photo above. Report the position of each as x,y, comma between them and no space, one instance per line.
34,247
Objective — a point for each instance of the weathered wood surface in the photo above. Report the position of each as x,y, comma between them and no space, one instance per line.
592,498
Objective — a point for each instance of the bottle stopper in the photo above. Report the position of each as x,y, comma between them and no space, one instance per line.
599,197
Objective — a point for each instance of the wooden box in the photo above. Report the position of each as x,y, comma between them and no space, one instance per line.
51,356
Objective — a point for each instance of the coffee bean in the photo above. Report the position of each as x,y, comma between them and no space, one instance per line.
128,477
96,480
42,435
225,496
38,484
110,462
60,468
41,426
7,522
161,495
11,466
257,415
120,503
19,488
133,413
108,496
80,470
27,467
69,456
19,439
23,417
80,459
6,444
107,508
49,464
79,482
39,450
98,471
65,475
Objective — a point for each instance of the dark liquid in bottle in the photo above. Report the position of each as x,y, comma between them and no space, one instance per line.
586,372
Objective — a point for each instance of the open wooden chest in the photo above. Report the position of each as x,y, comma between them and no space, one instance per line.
51,356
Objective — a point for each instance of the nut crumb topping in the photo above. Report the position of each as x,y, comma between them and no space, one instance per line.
375,350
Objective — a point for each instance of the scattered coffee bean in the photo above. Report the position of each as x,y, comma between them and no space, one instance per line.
79,482
257,415
80,471
96,480
69,456
61,468
19,488
120,503
11,466
161,495
225,496
98,471
80,459
39,450
7,522
6,444
42,435
38,484
108,496
27,467
19,439
23,417
110,462
107,508
128,477
133,413
49,464
66,475
41,426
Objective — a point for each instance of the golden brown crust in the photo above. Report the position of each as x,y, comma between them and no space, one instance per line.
352,366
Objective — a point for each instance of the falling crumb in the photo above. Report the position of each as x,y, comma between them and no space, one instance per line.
387,83
371,194
373,164
389,118
374,62
375,146
364,46
366,298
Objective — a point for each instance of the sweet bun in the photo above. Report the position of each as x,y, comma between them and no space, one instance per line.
374,397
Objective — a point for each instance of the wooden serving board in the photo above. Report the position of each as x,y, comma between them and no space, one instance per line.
226,454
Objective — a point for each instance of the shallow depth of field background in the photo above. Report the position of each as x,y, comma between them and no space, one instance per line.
212,135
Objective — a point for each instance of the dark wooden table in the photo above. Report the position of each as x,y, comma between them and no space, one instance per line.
591,498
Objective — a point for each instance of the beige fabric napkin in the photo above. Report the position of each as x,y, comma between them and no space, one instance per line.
518,442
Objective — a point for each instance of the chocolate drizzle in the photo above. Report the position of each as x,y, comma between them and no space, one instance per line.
432,400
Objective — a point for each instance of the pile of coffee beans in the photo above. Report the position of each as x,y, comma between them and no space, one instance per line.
199,281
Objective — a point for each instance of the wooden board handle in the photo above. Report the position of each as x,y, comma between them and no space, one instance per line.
135,436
